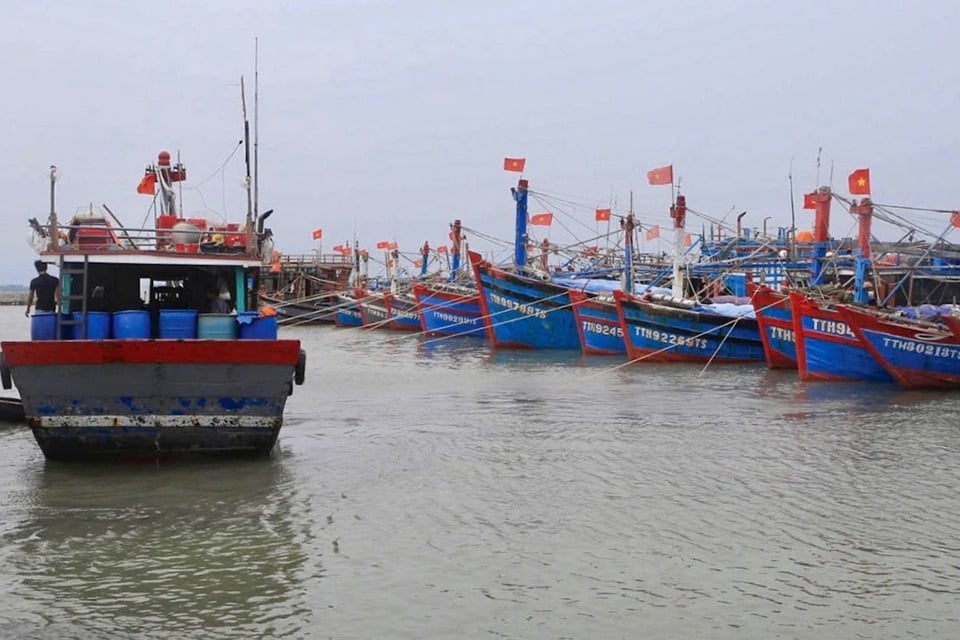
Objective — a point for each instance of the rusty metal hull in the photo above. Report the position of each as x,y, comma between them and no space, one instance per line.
136,408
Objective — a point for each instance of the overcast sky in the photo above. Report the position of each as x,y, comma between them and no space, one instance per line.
387,120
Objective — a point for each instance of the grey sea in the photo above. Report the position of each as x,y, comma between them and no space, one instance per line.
440,490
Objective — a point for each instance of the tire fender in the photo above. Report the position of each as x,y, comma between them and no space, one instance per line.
299,373
5,373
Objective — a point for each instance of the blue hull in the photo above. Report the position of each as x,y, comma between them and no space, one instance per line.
349,317
527,313
598,325
777,323
659,333
404,315
917,356
448,314
828,348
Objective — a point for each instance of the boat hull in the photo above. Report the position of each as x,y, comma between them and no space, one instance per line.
348,312
917,356
655,332
827,349
373,311
522,312
403,312
598,325
154,398
775,320
449,312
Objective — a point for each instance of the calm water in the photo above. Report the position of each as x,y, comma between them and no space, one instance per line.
441,491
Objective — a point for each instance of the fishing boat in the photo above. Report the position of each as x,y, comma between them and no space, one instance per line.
917,353
827,349
347,309
402,310
672,327
775,322
133,364
598,325
522,310
449,309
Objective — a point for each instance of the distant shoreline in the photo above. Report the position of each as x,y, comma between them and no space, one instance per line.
13,297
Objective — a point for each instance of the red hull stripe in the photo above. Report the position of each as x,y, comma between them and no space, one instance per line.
21,354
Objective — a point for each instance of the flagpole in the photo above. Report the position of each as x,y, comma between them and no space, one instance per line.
791,241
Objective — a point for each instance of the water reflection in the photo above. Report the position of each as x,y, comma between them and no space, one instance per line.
160,551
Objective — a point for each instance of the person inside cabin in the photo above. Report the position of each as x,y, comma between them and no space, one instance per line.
215,302
45,288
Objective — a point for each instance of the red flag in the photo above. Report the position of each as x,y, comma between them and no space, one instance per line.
393,245
442,248
660,175
383,244
148,185
317,234
860,182
809,201
687,240
542,219
955,218
343,249
514,164
653,232
603,214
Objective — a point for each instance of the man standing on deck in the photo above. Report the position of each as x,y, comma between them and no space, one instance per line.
46,289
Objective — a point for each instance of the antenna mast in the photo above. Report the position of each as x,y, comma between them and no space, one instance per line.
256,125
246,150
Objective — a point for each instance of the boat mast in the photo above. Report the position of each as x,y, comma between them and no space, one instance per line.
865,211
520,241
678,212
52,220
456,237
628,226
246,154
821,226
256,126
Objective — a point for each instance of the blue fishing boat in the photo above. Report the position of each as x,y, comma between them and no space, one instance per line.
826,347
448,309
670,327
775,321
917,353
598,324
347,309
402,310
519,310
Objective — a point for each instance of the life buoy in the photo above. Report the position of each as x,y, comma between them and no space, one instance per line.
5,378
299,374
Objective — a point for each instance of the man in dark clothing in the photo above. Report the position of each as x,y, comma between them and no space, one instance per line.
45,287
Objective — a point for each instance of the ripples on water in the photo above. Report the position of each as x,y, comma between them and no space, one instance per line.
436,489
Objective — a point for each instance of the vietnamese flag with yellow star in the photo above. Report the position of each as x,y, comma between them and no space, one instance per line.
860,182
514,164
542,219
660,175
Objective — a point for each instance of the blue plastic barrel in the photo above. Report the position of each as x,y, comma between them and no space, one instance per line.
66,330
216,326
178,324
253,327
43,325
131,325
98,325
